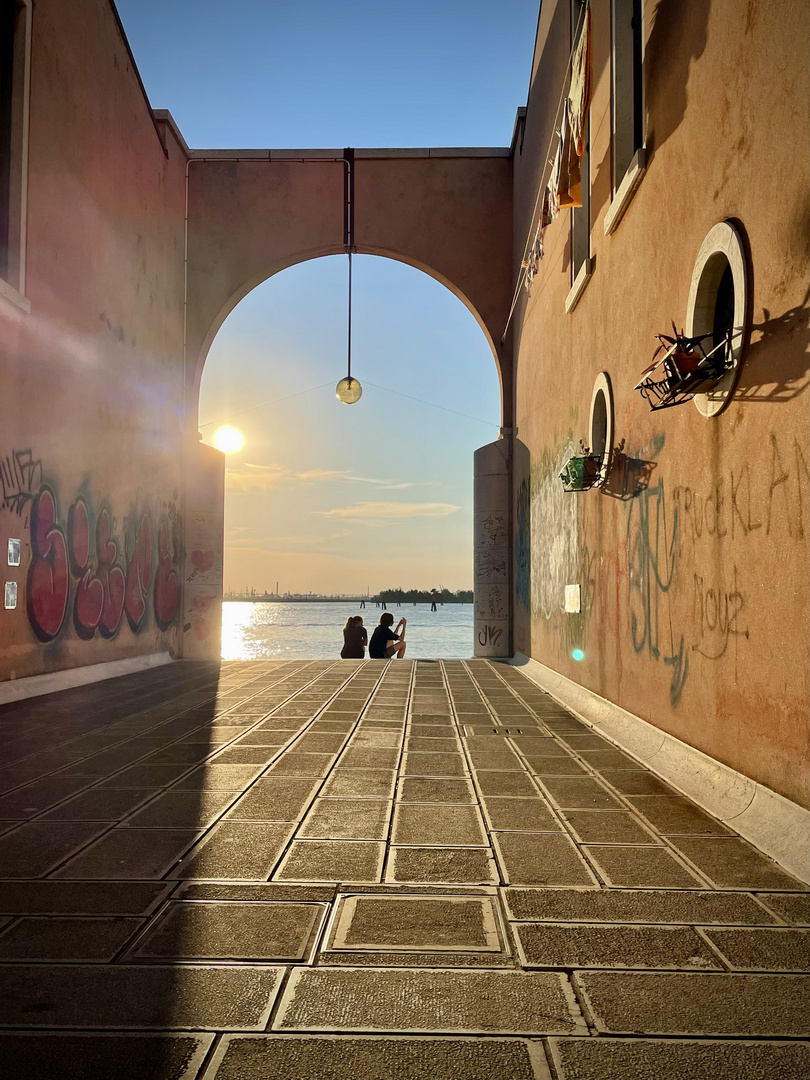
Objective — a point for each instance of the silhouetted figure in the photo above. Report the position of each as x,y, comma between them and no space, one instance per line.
386,643
433,606
355,639
362,603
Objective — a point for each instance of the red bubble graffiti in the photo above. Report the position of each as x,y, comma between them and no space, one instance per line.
139,575
99,600
104,589
48,581
167,582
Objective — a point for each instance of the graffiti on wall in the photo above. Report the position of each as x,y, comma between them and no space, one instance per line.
673,580
652,563
86,574
20,480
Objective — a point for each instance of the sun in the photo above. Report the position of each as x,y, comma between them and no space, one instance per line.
228,440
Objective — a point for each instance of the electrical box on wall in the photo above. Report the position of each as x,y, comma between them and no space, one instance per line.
573,599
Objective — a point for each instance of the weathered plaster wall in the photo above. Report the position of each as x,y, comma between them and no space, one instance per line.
90,413
693,564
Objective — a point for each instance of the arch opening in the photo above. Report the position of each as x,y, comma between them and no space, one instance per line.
328,499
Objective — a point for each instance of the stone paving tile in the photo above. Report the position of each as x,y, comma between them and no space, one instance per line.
130,853
55,939
246,755
678,1059
32,799
424,824
145,776
636,906
548,765
100,804
731,863
236,849
392,1057
676,816
35,1055
273,799
763,950
346,819
360,783
35,848
636,783
222,930
579,794
214,777
51,897
138,997
609,827
500,759
793,908
416,789
416,923
523,815
420,764
473,866
207,890
642,867
710,1004
496,1003
563,945
510,783
307,765
332,860
366,757
181,810
540,859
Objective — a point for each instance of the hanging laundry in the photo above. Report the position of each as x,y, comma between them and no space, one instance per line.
568,172
579,93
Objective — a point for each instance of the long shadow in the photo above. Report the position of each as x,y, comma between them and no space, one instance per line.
677,37
776,367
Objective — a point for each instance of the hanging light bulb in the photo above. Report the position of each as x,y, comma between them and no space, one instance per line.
348,390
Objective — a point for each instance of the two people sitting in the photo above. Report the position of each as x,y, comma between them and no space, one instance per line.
385,643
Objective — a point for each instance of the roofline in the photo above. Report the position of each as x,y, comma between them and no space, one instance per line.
367,152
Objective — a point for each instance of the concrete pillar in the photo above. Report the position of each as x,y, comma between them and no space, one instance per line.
202,574
492,603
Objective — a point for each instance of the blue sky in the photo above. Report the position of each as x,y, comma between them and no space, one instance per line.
324,496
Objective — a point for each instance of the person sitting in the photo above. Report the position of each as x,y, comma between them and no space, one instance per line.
355,639
386,643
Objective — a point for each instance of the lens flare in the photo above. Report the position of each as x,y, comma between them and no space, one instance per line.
228,440
578,654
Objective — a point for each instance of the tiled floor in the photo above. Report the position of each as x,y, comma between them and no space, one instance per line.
344,870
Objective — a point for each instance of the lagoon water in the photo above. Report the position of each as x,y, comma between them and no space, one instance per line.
315,631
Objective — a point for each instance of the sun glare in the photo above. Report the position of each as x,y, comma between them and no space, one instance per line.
228,440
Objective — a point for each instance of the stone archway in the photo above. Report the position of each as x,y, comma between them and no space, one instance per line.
251,214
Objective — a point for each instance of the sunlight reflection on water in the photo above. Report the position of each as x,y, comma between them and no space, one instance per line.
313,631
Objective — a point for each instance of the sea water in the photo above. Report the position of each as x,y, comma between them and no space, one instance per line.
314,631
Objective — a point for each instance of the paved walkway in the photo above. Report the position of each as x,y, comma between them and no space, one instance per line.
338,871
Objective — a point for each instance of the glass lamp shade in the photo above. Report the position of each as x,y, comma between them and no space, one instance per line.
348,390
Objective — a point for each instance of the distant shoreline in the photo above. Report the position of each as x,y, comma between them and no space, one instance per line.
334,600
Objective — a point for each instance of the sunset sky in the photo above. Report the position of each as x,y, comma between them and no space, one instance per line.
326,497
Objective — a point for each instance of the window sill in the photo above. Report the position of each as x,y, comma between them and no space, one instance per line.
9,293
578,288
626,190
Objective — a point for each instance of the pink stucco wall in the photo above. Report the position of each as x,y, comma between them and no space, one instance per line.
90,411
695,590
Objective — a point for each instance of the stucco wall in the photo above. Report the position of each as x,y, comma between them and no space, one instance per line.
695,589
90,413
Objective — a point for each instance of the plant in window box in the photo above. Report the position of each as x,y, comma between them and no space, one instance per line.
582,472
681,367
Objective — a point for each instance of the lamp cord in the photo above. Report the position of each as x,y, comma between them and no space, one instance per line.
349,356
